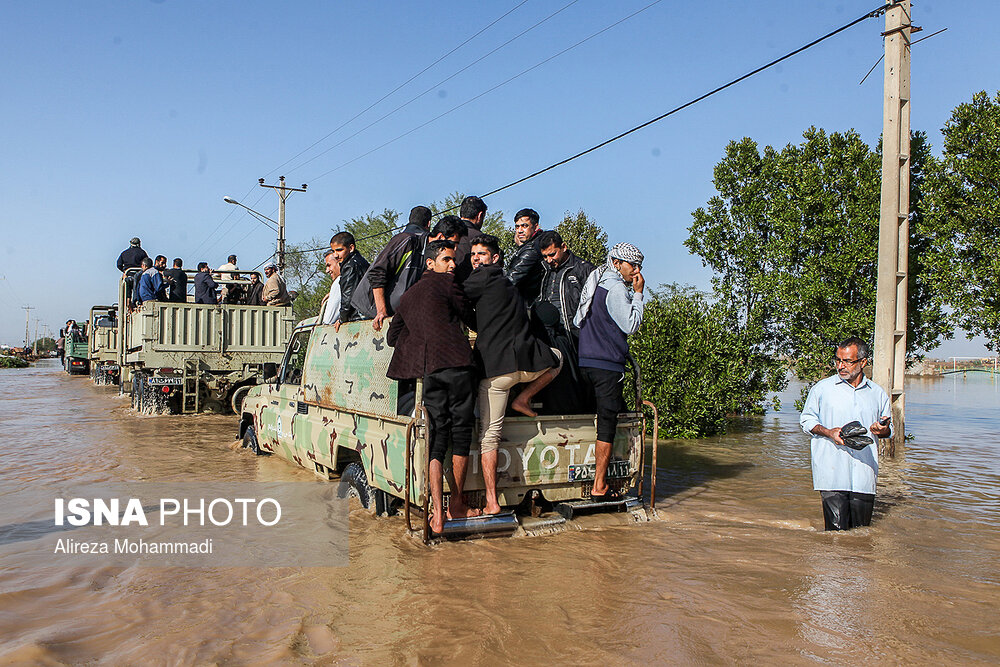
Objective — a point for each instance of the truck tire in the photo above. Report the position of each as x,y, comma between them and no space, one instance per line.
357,485
236,400
250,441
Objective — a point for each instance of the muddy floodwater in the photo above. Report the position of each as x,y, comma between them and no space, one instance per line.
738,568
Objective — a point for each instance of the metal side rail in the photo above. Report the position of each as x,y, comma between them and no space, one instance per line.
571,508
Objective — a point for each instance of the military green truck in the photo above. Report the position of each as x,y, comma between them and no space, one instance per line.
190,357
76,357
332,410
103,344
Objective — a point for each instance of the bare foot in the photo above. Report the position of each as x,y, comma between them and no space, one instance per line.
437,523
492,509
523,407
462,511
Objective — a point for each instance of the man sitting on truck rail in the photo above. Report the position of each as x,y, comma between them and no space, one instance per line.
607,315
505,349
563,277
429,342
204,285
274,293
525,266
394,270
331,311
352,269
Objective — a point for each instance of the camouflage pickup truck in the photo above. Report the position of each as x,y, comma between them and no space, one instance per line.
103,344
186,357
332,410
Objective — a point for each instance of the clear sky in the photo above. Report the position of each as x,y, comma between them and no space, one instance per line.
126,119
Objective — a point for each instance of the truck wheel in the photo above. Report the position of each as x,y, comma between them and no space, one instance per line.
357,485
236,401
250,441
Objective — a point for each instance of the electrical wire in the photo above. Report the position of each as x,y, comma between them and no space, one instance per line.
881,9
396,89
436,86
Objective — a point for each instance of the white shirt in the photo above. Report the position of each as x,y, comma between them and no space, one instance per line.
831,403
332,311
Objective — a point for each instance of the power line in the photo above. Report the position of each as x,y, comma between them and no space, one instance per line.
489,90
437,85
878,11
396,89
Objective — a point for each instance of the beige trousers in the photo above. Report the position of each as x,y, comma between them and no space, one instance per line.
493,393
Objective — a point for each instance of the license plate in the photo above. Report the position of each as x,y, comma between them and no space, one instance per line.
108,367
586,471
160,381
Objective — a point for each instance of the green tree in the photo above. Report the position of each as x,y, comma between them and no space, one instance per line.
696,367
792,237
963,211
584,237
46,344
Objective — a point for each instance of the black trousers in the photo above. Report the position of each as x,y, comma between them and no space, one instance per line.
450,401
843,510
607,392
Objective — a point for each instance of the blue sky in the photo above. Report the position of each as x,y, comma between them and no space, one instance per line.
126,119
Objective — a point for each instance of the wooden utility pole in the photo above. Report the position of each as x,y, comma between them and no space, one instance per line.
283,193
27,324
894,220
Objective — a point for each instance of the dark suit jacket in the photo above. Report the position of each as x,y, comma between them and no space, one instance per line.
426,330
177,281
504,343
204,288
463,260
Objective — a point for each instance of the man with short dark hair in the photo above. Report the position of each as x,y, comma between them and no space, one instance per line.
506,351
610,310
448,228
255,291
564,275
524,269
845,467
473,212
429,342
395,269
204,285
151,285
352,269
177,282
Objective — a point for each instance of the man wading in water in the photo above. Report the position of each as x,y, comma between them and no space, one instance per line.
844,468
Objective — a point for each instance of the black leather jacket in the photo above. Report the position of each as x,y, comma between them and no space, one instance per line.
525,269
352,269
571,276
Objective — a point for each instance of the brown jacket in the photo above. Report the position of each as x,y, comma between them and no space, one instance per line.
275,293
426,330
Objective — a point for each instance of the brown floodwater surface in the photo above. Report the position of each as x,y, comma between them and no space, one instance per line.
737,569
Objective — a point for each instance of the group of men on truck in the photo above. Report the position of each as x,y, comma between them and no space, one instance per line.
155,282
549,319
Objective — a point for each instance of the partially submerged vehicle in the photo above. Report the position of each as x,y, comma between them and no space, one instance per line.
332,410
103,345
76,357
191,357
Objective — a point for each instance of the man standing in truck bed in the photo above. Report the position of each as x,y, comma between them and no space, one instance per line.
428,340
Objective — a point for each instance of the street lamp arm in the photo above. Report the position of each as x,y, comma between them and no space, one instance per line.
260,216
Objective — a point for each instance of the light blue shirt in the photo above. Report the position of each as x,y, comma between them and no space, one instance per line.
833,402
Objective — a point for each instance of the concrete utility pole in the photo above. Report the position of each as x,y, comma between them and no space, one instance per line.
283,194
27,323
894,220
36,337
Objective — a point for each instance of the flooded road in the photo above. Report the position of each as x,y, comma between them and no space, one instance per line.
738,570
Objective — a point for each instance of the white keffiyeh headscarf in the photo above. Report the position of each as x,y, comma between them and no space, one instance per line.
625,252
